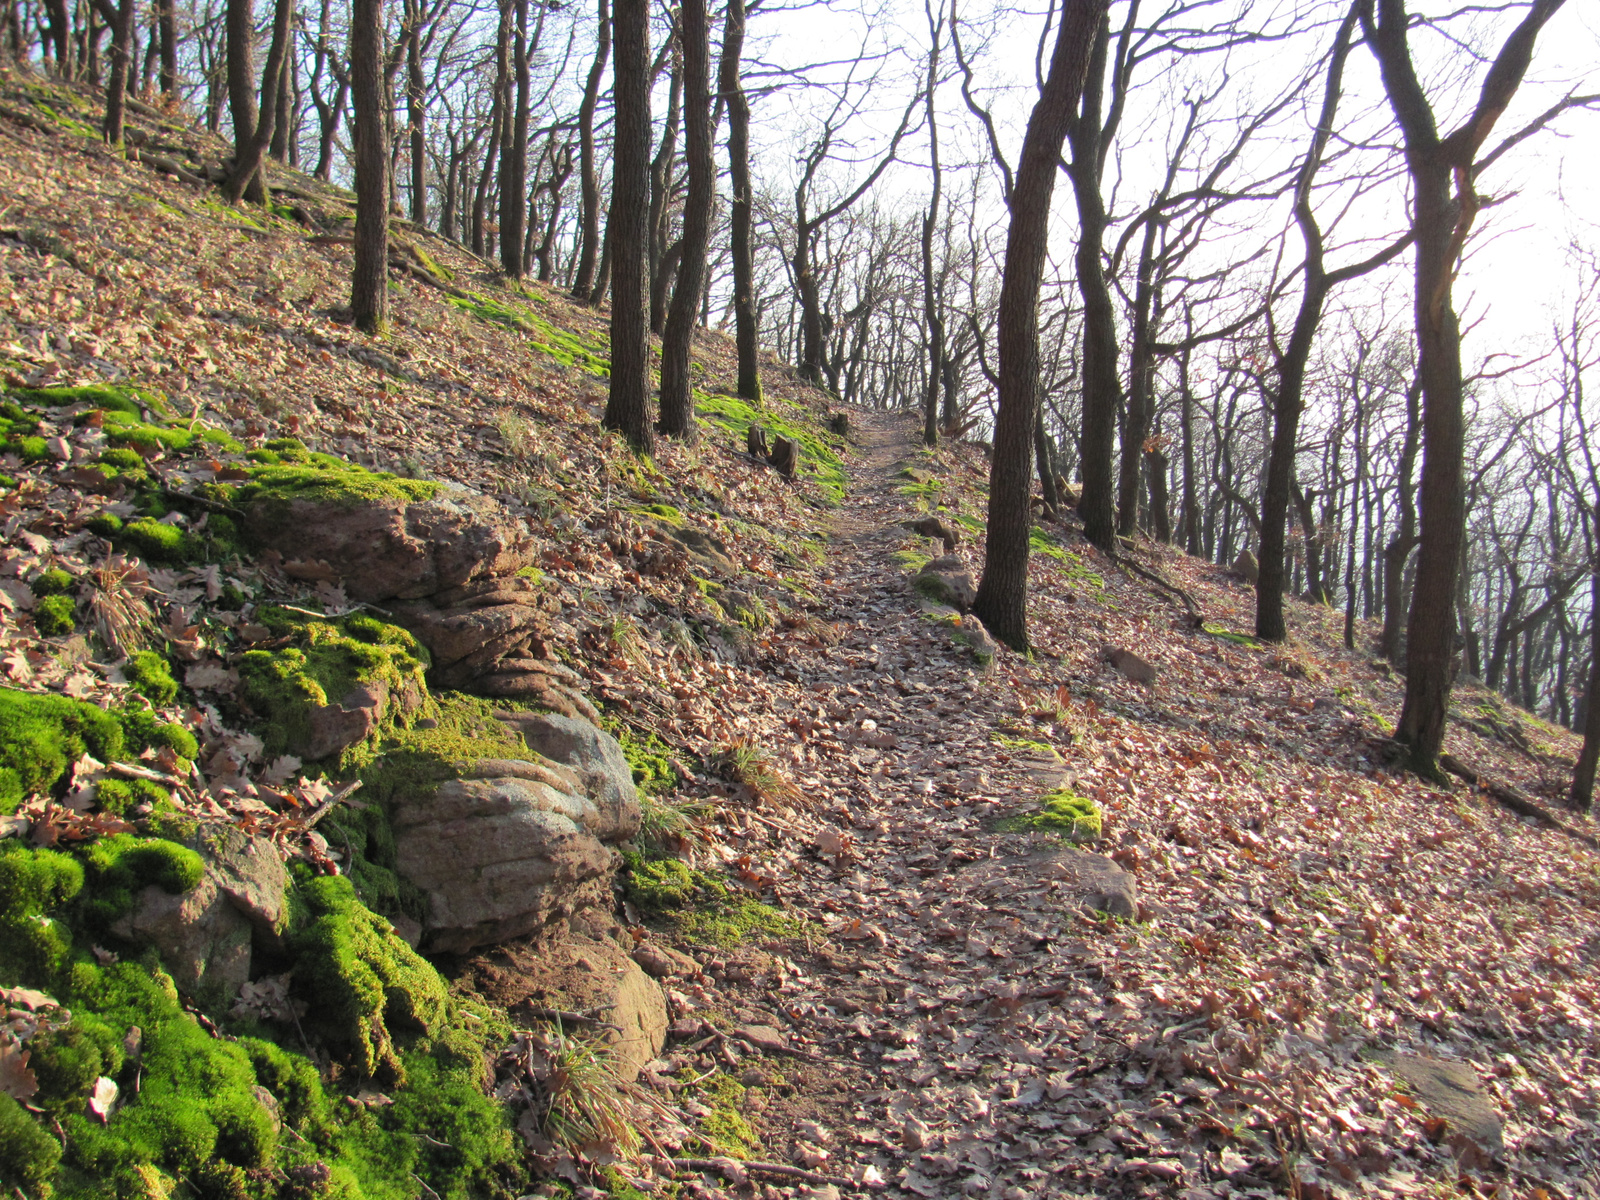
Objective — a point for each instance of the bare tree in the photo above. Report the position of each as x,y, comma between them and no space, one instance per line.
1002,601
627,410
369,287
677,406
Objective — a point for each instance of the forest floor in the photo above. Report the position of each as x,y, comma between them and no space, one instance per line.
945,1017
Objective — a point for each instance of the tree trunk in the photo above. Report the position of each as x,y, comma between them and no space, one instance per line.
1102,389
1581,796
120,22
244,180
588,173
417,115
740,214
930,221
369,285
659,221
677,406
1141,384
241,33
627,410
514,146
1002,601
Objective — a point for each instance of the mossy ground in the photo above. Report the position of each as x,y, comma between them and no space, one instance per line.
191,1119
724,1129
1063,813
699,906
819,450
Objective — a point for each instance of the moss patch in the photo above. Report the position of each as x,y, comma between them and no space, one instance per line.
129,401
724,1129
569,349
55,616
41,735
1065,813
323,663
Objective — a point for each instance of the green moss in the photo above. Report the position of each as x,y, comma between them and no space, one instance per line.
724,1129
819,457
42,734
325,662
153,540
665,885
122,796
67,1062
149,674
1040,542
1238,639
129,401
569,349
121,865
912,560
53,582
697,905
28,1154
661,512
33,882
106,524
350,485
650,758
365,979
1064,812
55,616
145,731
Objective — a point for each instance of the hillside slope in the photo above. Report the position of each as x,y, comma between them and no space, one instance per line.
922,1000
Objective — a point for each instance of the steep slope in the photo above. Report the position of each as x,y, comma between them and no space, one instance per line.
892,969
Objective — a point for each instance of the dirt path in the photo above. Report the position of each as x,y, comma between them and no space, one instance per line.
936,1000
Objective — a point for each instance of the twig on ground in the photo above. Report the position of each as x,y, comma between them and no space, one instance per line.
730,1167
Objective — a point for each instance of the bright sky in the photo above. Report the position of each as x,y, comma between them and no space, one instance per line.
1517,268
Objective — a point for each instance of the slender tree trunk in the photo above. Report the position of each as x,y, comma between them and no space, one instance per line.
514,147
588,173
240,22
1002,601
120,21
677,406
244,180
930,221
741,210
1141,385
627,410
658,244
417,115
1102,389
1581,796
369,287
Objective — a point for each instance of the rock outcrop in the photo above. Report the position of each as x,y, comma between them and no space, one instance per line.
511,848
446,569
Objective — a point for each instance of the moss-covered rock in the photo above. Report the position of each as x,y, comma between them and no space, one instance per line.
366,982
336,686
51,582
41,735
150,675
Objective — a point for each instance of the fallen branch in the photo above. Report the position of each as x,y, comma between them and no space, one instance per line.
565,1017
342,792
1516,801
168,166
129,771
733,1169
1164,585
27,119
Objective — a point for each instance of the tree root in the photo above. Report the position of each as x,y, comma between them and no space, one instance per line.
1516,801
1164,585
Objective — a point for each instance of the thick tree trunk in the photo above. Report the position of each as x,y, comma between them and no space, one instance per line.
120,22
240,27
588,173
677,406
627,410
514,148
740,213
1002,601
369,285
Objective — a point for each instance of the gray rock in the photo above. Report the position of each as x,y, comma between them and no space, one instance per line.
391,549
596,977
947,580
203,940
709,553
1451,1092
252,875
598,759
1130,664
1092,879
984,647
1246,567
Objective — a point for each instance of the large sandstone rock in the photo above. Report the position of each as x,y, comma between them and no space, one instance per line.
512,848
947,580
386,549
1246,567
1450,1091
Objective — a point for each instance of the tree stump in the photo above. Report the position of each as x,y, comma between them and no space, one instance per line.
785,456
755,441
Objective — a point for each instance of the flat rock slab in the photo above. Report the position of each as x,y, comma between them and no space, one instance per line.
1093,878
1450,1091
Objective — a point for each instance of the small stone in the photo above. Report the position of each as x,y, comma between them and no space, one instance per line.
1133,667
